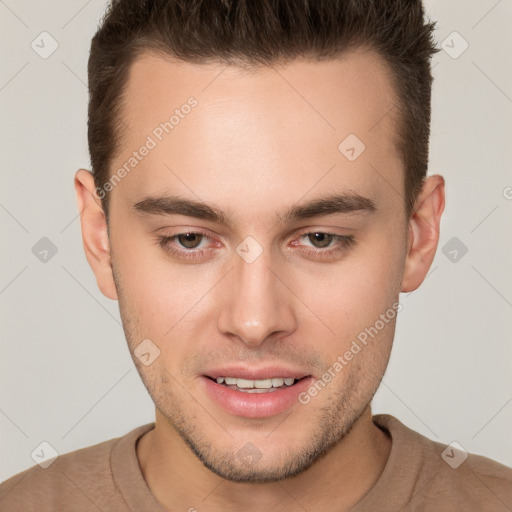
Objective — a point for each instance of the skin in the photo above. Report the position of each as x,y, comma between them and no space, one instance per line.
258,143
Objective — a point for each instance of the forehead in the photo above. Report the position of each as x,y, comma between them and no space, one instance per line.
258,130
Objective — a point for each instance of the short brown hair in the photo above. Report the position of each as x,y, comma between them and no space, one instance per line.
263,32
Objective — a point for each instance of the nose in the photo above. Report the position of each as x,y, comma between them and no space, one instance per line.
256,304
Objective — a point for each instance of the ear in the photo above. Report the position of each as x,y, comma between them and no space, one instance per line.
94,232
423,233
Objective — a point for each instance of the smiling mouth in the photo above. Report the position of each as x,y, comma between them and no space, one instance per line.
256,386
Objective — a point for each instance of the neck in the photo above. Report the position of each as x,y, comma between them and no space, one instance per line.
337,481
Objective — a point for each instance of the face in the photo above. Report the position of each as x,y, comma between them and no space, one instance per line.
246,244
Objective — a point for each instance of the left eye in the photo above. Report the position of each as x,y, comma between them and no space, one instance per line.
190,240
320,240
190,245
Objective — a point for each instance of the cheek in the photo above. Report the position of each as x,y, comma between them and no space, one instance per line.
162,293
352,294
379,265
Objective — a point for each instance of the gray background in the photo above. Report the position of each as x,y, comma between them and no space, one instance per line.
66,374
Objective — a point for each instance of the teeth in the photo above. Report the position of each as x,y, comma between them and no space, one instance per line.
275,382
261,384
242,383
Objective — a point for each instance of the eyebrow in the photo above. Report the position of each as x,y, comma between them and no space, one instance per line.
330,205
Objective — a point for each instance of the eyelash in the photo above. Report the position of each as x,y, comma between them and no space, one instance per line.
344,243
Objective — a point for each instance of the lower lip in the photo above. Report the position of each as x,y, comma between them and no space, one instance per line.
255,405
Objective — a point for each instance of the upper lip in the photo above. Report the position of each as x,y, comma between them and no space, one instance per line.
252,373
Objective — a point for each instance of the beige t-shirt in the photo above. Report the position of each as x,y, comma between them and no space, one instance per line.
417,477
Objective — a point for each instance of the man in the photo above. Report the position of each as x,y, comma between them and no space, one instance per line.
258,201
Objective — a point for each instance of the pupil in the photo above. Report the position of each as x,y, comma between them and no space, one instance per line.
323,238
189,240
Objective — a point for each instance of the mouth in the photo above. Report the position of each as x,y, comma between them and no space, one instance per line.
262,397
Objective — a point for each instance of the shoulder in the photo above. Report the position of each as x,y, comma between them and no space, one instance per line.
475,481
446,475
81,479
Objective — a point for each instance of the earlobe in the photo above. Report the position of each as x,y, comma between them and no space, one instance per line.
423,233
94,232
